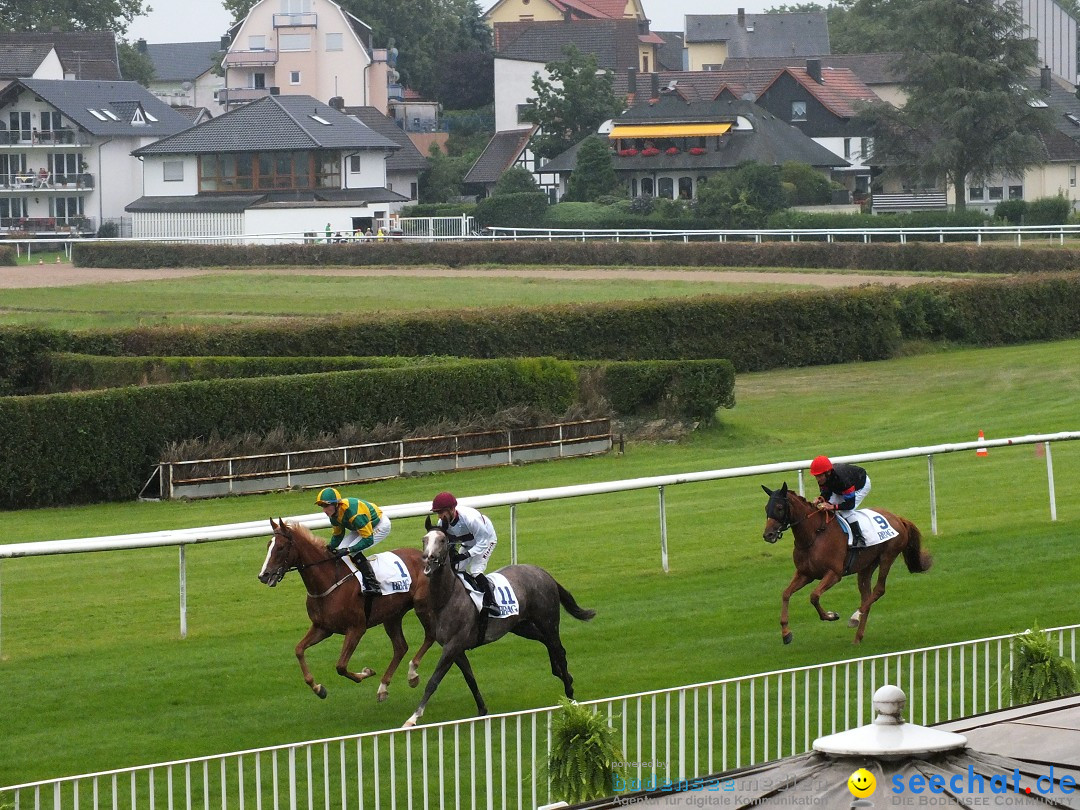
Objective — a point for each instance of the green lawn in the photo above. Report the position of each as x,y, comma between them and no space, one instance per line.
93,674
229,297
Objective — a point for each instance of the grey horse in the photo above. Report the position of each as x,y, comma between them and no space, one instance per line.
459,627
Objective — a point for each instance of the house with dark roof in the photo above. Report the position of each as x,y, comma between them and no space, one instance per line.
279,165
65,151
403,167
712,39
523,50
822,103
311,48
668,143
507,150
186,73
83,54
29,62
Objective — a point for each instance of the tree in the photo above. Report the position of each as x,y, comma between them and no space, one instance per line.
135,66
514,181
743,197
594,173
467,80
69,15
968,115
570,106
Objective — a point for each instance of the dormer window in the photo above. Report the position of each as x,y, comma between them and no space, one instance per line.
798,111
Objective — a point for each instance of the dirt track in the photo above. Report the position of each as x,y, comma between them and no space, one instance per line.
60,275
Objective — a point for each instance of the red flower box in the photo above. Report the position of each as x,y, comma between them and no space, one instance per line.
627,152
672,150
696,150
650,152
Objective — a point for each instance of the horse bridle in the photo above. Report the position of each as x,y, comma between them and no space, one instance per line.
788,523
298,568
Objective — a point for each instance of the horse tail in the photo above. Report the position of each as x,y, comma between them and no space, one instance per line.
571,605
917,558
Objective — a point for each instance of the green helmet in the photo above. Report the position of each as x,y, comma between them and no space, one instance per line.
329,497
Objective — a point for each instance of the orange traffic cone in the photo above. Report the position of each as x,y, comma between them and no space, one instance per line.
982,450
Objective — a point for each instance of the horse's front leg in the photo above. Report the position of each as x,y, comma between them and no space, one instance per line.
798,581
470,679
401,646
827,581
450,652
864,595
414,665
877,593
313,636
352,638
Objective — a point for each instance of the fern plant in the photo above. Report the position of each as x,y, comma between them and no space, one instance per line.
1038,672
585,755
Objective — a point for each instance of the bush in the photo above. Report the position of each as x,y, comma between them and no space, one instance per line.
1012,211
1049,211
523,209
1038,671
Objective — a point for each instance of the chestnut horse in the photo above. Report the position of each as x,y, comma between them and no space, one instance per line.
821,552
459,627
335,603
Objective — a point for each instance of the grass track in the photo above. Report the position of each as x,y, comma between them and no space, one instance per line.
94,676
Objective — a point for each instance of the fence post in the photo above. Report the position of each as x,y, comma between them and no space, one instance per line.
513,534
663,531
183,591
1050,480
933,495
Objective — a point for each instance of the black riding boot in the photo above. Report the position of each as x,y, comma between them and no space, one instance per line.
367,574
857,540
483,584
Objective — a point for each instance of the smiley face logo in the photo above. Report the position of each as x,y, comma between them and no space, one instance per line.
861,783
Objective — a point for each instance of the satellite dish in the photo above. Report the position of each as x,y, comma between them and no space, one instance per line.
185,86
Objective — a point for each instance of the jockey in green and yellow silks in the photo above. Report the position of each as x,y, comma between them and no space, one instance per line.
358,525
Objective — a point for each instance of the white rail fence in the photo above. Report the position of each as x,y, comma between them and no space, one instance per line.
258,528
497,762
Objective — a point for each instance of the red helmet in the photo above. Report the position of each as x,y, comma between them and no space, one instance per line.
444,500
820,465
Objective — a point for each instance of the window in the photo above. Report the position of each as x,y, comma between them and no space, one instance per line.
847,148
20,123
665,188
798,111
1072,176
269,170
257,42
975,193
522,110
412,191
319,120
64,167
334,42
294,42
172,171
686,188
96,114
354,164
12,207
258,81
995,193
1016,192
65,209
633,187
50,121
864,148
294,77
110,114
646,187
645,63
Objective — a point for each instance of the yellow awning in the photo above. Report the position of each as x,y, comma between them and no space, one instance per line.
667,130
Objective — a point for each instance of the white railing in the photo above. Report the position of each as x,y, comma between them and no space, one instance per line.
494,762
258,528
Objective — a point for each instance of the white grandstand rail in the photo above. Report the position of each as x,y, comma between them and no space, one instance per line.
668,734
259,528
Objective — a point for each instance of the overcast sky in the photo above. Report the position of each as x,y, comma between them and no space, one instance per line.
207,20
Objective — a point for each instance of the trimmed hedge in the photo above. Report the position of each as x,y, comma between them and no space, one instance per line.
911,257
102,445
7,256
68,371
692,388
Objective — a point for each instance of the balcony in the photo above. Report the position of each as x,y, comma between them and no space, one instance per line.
303,20
250,58
36,183
29,227
241,95
48,138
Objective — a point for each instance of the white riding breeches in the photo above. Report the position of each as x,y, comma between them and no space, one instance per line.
860,496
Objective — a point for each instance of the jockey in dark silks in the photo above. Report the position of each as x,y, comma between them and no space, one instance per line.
366,525
843,487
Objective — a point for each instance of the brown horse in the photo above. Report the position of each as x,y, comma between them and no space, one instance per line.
821,552
335,603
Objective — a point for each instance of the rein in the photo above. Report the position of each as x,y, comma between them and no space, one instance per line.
300,568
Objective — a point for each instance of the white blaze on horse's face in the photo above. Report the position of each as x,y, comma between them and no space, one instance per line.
266,575
433,543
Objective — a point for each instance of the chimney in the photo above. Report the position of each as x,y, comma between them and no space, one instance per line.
338,103
567,16
224,44
140,45
742,18
1044,78
655,85
813,69
631,84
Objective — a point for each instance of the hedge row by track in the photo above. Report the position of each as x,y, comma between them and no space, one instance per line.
878,256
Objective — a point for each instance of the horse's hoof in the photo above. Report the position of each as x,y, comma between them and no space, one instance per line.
382,694
414,681
409,723
852,622
830,616
788,637
321,692
367,672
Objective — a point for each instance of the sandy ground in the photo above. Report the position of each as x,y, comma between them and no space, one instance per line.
59,275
